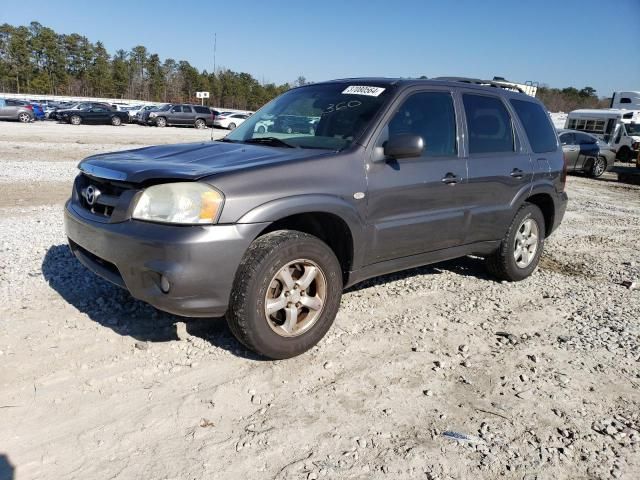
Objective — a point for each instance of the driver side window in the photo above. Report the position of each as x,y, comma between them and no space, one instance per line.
431,115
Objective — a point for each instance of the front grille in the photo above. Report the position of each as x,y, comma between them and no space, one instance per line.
99,196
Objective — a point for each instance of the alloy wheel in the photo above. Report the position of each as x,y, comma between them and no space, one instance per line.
295,298
526,243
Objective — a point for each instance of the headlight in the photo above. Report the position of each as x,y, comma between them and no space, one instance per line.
153,115
185,202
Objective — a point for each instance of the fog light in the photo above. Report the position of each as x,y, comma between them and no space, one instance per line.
165,286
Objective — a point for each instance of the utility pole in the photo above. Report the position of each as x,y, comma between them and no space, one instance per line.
215,41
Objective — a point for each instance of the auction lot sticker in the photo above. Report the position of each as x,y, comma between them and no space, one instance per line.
363,90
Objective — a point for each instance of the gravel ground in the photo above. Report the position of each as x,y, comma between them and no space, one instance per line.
436,373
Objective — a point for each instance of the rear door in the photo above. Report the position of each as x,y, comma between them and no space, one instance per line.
570,149
588,148
188,115
499,166
417,205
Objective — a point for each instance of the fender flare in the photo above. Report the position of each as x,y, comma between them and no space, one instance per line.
280,208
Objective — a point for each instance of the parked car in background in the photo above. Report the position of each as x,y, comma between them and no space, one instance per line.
95,113
137,110
16,110
229,120
584,152
65,107
268,231
178,115
294,124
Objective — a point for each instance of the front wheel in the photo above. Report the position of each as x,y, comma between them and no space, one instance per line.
200,124
161,122
520,250
624,154
75,120
286,294
599,167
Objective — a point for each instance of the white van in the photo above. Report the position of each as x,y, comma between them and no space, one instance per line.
619,128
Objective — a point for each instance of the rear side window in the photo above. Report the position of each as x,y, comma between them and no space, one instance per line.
542,137
186,109
488,124
202,110
430,115
625,100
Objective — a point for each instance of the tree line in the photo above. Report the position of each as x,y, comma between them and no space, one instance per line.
35,59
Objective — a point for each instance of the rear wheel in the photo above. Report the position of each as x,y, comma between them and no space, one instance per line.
161,122
599,167
232,126
75,120
520,250
24,118
286,294
116,121
200,124
261,129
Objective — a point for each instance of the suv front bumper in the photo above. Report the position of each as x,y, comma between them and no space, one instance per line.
199,262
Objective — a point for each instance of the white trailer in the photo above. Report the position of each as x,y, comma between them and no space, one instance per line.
619,128
626,100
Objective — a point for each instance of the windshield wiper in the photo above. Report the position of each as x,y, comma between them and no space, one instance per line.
273,141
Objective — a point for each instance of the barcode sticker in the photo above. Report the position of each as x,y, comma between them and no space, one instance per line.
363,90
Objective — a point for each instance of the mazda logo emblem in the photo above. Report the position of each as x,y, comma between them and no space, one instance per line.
91,194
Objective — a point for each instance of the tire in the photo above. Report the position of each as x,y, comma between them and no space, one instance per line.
262,129
75,120
116,121
624,154
598,167
232,126
161,122
288,130
200,124
503,264
24,118
258,280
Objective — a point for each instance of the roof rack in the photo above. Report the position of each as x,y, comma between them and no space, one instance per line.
477,81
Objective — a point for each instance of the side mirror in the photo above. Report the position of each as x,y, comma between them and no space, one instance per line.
404,145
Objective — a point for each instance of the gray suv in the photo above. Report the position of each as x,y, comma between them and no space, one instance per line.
178,115
269,228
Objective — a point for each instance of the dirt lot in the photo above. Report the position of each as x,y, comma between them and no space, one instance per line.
435,373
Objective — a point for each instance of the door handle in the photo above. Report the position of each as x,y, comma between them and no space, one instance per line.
450,179
517,173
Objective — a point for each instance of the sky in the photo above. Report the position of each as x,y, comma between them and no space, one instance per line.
558,43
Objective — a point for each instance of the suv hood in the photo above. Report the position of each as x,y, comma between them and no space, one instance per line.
190,161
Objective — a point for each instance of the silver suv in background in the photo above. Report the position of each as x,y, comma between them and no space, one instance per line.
16,110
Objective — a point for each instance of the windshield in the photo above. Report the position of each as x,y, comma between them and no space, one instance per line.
633,128
327,116
162,108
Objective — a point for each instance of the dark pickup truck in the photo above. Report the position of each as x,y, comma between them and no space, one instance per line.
269,228
94,113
